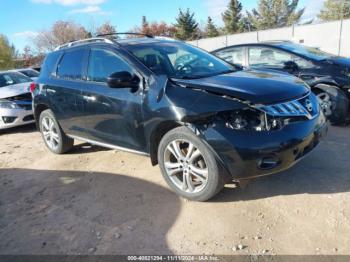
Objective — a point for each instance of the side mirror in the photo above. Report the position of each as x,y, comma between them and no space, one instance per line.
291,66
123,80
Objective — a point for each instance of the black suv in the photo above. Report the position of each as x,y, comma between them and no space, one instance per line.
203,120
326,74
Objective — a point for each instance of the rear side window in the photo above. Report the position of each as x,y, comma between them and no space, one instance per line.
49,65
103,63
71,65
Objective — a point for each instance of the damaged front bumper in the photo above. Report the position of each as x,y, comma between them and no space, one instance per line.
249,154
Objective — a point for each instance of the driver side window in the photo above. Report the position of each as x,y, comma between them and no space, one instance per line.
232,55
103,63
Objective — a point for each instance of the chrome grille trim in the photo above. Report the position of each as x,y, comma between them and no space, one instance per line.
293,108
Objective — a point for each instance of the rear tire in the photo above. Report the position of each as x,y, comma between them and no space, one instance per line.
189,166
54,137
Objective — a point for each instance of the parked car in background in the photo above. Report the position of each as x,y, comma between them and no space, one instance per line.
33,74
15,100
202,120
36,68
328,75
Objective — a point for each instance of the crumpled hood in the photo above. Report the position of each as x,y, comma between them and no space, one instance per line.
342,61
254,86
14,90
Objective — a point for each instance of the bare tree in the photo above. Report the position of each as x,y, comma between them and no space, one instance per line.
60,33
154,28
106,28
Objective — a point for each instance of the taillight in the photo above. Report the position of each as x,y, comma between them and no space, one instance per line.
32,87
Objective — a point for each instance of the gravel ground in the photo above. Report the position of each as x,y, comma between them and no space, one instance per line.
99,201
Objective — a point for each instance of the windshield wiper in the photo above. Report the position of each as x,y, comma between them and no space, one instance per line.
227,72
208,75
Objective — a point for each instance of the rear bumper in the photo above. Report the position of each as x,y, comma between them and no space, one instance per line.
249,154
15,117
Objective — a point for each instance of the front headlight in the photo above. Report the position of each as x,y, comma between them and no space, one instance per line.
252,119
8,104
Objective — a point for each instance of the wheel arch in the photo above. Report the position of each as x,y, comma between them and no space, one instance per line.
324,86
341,108
157,135
39,108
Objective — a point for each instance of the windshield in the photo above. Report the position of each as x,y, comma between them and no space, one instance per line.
311,52
179,60
12,78
29,72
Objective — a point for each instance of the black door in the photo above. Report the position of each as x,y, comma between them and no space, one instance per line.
65,91
112,115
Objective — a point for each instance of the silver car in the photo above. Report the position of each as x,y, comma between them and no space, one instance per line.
15,100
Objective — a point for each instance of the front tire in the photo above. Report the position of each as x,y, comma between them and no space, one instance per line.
334,103
188,165
54,137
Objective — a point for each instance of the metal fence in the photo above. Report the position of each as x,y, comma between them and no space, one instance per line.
332,37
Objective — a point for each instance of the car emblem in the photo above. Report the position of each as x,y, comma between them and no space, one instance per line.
308,105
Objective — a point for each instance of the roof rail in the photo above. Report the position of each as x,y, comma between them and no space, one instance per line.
164,37
126,33
82,41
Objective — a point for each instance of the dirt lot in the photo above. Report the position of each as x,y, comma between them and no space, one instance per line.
100,201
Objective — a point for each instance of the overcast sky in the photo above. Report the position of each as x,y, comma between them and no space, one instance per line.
20,20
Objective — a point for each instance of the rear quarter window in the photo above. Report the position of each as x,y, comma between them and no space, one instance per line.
49,66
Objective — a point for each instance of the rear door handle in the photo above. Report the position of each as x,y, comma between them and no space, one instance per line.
89,98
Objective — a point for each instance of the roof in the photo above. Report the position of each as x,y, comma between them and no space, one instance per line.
275,42
278,43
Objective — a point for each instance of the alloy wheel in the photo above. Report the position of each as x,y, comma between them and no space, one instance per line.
325,103
50,133
185,166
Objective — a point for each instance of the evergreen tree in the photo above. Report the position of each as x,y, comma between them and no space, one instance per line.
232,17
186,26
211,30
275,13
335,10
6,53
246,24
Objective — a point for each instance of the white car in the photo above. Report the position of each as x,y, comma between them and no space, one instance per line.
15,100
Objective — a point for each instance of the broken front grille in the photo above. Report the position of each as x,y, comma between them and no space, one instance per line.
305,107
24,101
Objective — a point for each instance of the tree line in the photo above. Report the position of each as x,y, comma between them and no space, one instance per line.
268,14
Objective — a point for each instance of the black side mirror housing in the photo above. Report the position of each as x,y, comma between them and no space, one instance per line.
291,66
123,80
